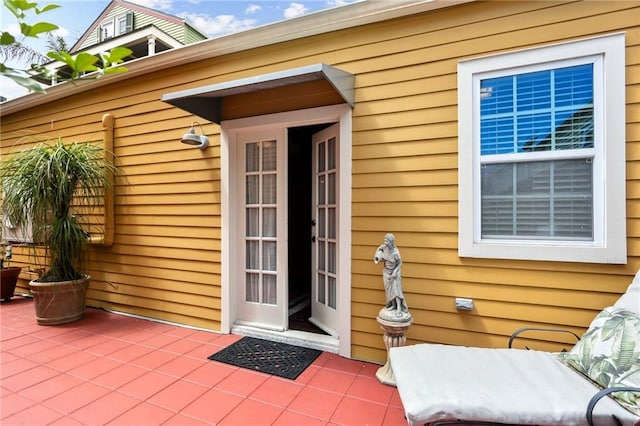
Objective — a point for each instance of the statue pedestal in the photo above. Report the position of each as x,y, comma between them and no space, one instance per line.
394,327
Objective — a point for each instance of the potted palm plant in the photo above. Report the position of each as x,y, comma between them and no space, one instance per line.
54,187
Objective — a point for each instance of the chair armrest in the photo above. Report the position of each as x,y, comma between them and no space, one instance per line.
601,394
551,330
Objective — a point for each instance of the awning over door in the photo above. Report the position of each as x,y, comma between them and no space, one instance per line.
297,88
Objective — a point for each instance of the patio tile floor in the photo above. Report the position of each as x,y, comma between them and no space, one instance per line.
110,369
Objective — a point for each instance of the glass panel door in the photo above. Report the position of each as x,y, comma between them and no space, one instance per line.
261,298
324,303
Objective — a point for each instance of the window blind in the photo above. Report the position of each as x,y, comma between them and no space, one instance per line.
543,111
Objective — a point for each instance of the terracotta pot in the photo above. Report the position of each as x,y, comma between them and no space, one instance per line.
59,302
8,280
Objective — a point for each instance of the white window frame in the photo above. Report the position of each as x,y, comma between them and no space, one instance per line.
108,25
120,20
609,244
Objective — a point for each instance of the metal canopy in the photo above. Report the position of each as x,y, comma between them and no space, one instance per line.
206,101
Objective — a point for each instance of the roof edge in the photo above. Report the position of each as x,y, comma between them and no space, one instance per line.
324,21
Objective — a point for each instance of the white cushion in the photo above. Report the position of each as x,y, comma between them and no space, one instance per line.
440,382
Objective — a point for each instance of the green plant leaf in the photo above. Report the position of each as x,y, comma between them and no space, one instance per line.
22,4
19,78
118,54
83,62
36,29
6,39
114,70
16,7
46,8
62,57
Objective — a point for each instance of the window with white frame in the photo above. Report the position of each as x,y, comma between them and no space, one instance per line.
106,30
542,153
122,24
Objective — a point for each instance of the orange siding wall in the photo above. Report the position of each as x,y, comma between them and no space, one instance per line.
405,178
165,262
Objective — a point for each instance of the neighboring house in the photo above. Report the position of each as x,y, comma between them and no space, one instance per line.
143,30
498,141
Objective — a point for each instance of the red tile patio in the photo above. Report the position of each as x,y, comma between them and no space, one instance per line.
110,369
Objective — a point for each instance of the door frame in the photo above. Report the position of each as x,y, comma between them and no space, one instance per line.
228,131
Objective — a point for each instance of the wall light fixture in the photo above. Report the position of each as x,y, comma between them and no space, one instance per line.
190,138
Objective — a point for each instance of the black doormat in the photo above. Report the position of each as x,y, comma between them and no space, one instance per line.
279,359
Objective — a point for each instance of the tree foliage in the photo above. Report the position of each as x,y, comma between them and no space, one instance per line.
82,66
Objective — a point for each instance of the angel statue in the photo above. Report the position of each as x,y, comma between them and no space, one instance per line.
389,253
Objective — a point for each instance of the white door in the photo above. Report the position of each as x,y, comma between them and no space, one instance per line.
324,284
261,289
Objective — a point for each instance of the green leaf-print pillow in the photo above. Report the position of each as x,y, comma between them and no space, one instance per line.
609,354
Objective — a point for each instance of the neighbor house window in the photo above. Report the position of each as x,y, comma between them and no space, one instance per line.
542,153
106,30
124,23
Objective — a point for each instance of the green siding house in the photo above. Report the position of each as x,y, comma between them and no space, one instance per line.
143,30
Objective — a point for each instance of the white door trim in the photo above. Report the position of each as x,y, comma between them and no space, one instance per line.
228,131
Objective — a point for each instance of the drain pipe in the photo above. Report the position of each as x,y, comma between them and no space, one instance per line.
107,238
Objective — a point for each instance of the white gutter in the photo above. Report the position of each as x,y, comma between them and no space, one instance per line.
325,21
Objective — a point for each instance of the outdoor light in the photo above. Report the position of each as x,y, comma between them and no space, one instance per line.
191,138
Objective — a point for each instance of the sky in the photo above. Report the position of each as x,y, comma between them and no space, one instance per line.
215,18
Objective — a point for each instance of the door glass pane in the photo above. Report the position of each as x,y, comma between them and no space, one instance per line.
269,222
331,223
320,297
321,256
269,189
261,223
332,188
331,289
269,256
321,157
331,154
252,189
321,189
269,155
253,255
252,157
269,289
321,222
331,258
252,288
252,222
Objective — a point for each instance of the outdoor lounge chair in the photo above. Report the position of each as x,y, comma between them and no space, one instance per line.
443,384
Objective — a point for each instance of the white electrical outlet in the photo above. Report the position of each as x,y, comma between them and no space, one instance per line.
464,304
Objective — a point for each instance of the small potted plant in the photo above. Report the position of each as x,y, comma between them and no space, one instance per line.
8,274
49,188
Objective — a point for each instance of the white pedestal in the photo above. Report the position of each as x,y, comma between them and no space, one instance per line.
393,337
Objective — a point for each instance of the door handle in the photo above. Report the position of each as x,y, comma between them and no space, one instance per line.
313,238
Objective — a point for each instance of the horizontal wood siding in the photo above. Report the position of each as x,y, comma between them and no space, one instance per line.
165,262
405,179
172,29
190,35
